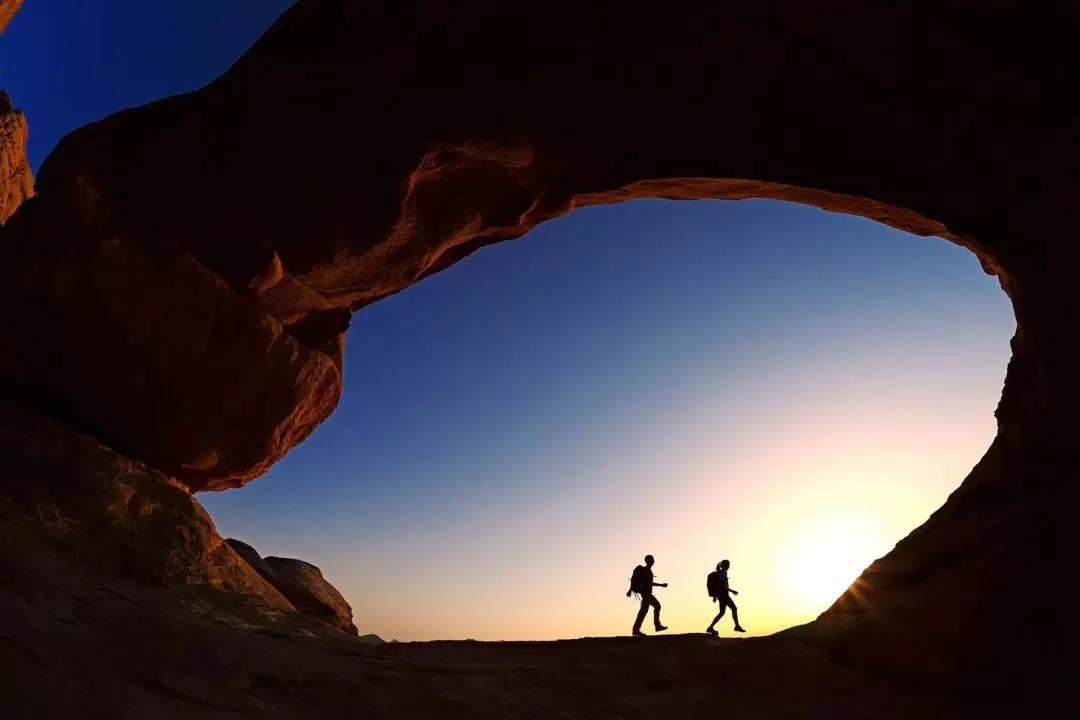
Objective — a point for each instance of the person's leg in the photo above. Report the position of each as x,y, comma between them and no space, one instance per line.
734,614
641,613
656,613
719,615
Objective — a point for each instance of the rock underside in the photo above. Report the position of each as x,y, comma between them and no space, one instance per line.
173,303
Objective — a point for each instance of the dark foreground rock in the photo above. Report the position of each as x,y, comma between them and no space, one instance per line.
128,653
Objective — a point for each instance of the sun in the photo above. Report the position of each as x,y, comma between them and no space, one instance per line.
826,561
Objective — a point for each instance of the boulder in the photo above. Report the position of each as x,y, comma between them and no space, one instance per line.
305,587
251,556
309,592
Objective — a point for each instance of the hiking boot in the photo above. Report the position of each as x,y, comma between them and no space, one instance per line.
660,628
638,633
740,629
711,631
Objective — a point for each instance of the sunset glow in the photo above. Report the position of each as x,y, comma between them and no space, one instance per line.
520,430
769,383
826,560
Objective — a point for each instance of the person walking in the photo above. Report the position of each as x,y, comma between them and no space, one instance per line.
721,592
642,584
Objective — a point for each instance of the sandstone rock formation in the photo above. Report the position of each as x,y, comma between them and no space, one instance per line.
16,180
100,322
179,288
305,587
130,659
309,592
252,557
65,497
379,194
8,8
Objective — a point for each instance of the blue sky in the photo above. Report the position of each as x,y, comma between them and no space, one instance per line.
70,62
754,379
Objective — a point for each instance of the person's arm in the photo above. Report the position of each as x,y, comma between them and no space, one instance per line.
655,584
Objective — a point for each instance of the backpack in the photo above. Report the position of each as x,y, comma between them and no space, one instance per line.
714,584
638,583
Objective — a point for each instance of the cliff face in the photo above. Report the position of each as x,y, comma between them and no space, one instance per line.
180,287
8,8
16,180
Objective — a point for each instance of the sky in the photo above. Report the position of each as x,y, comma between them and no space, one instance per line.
787,388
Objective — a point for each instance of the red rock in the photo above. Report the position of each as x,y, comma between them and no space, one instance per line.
304,585
16,180
151,352
309,592
180,287
252,557
8,8
64,497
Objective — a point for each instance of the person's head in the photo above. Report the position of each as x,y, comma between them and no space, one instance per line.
649,560
723,565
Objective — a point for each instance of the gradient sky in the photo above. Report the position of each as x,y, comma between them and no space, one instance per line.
788,388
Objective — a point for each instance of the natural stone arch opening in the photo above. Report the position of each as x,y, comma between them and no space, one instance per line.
232,509
179,287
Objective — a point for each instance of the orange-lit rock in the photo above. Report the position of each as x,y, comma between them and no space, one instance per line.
180,287
16,180
64,497
8,8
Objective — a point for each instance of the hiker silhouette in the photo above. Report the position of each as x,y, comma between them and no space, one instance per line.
721,592
641,584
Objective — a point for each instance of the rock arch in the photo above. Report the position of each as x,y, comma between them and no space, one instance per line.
180,286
